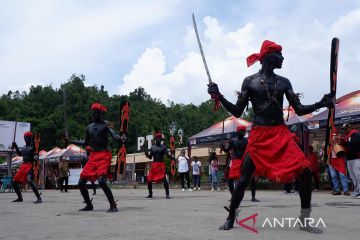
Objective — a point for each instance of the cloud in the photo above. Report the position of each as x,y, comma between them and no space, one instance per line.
149,73
347,29
186,83
47,41
348,23
306,48
126,44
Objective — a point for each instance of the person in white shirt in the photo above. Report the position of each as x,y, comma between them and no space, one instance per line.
183,169
196,165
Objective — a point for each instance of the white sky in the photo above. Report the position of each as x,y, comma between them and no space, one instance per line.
126,44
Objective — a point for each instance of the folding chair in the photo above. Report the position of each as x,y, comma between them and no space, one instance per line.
6,183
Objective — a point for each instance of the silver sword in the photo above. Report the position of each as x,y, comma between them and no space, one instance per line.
201,49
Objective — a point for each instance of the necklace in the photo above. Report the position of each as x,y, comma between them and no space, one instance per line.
272,98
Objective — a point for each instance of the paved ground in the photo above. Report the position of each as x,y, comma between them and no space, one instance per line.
188,215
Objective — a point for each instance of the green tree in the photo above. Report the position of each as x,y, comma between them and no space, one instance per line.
43,107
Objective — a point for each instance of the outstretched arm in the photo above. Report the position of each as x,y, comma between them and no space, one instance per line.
113,134
243,98
301,109
82,143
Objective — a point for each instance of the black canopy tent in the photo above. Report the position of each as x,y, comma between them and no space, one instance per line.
347,111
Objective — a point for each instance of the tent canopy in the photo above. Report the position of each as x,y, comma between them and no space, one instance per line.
347,110
213,133
71,151
15,161
51,152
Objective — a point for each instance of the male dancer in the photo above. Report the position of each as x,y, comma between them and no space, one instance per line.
157,169
99,161
237,146
272,151
25,173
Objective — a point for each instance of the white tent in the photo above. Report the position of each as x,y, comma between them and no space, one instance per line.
49,153
71,151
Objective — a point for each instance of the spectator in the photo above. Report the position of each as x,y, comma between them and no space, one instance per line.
214,168
64,174
353,156
338,169
196,166
314,167
183,169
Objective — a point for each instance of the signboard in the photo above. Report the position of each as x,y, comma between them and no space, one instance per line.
75,175
213,139
313,125
7,134
129,167
141,142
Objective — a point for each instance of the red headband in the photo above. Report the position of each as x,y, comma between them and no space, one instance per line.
266,47
28,134
98,106
158,135
240,128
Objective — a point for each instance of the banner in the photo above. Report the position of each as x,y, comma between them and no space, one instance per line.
7,134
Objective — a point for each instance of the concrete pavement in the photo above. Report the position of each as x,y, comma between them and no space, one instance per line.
188,215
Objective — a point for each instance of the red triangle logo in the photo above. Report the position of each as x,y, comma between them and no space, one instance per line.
251,228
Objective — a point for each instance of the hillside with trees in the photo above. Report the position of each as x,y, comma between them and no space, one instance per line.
42,106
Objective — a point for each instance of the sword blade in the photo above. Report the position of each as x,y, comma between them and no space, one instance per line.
16,123
201,49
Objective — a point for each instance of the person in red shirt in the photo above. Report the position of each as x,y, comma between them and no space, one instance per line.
337,168
313,157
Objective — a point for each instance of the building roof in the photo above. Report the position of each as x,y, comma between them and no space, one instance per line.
213,134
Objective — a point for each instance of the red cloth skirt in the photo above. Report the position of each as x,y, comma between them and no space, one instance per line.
157,172
97,165
235,168
275,153
21,175
339,164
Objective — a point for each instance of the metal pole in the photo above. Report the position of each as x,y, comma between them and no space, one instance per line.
9,163
65,115
12,149
43,175
133,171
